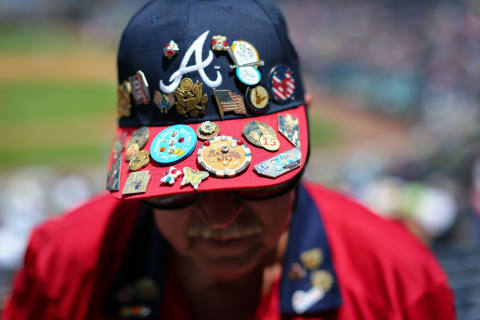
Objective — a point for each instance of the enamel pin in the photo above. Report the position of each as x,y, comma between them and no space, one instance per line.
140,160
257,99
140,137
137,182
131,152
281,84
193,177
312,258
164,102
224,156
228,101
124,104
113,175
171,176
170,50
304,300
207,130
288,127
246,61
119,144
173,144
321,279
139,86
297,272
280,164
219,43
261,135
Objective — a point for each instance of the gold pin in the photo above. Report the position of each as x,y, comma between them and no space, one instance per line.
140,160
228,101
124,103
321,279
139,137
131,152
312,258
137,182
261,135
190,100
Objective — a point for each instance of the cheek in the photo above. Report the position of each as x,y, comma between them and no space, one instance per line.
173,225
275,216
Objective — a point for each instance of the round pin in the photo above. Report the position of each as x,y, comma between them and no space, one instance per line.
248,75
281,84
312,258
244,52
257,99
207,130
173,144
140,160
139,137
224,156
269,142
321,279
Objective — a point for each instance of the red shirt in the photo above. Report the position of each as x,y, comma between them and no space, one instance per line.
380,271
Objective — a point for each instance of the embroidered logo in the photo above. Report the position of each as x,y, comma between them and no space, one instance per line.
199,66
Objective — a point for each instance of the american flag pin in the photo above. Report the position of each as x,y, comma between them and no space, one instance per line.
281,84
228,101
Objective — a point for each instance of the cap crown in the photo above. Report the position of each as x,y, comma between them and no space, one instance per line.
191,24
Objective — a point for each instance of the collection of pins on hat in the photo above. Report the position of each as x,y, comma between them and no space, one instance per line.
222,156
321,280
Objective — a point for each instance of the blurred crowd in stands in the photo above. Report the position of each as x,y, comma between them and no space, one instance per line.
416,60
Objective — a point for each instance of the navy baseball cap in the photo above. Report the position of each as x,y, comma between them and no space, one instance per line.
212,88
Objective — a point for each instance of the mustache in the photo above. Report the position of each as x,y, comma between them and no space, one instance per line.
233,231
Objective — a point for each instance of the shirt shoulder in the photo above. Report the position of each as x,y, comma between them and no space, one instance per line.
378,261
69,244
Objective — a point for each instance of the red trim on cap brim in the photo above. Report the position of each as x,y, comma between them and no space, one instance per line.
245,180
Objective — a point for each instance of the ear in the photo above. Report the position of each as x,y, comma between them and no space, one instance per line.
308,99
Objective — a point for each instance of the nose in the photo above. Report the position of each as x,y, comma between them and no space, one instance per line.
219,209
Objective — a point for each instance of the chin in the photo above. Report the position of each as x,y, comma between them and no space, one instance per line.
229,267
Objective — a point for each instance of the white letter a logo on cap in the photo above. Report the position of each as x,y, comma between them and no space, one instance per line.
199,66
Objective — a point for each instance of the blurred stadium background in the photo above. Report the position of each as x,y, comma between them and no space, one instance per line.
394,123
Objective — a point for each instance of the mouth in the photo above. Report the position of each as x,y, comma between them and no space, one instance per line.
233,232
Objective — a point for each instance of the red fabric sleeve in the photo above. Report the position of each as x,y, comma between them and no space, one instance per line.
434,304
28,299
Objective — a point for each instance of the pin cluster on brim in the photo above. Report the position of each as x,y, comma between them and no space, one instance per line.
220,155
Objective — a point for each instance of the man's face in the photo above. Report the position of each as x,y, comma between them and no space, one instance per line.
224,235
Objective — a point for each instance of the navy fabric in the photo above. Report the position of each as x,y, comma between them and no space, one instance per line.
147,257
159,22
307,232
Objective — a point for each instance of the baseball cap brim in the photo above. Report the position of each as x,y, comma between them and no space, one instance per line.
246,180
